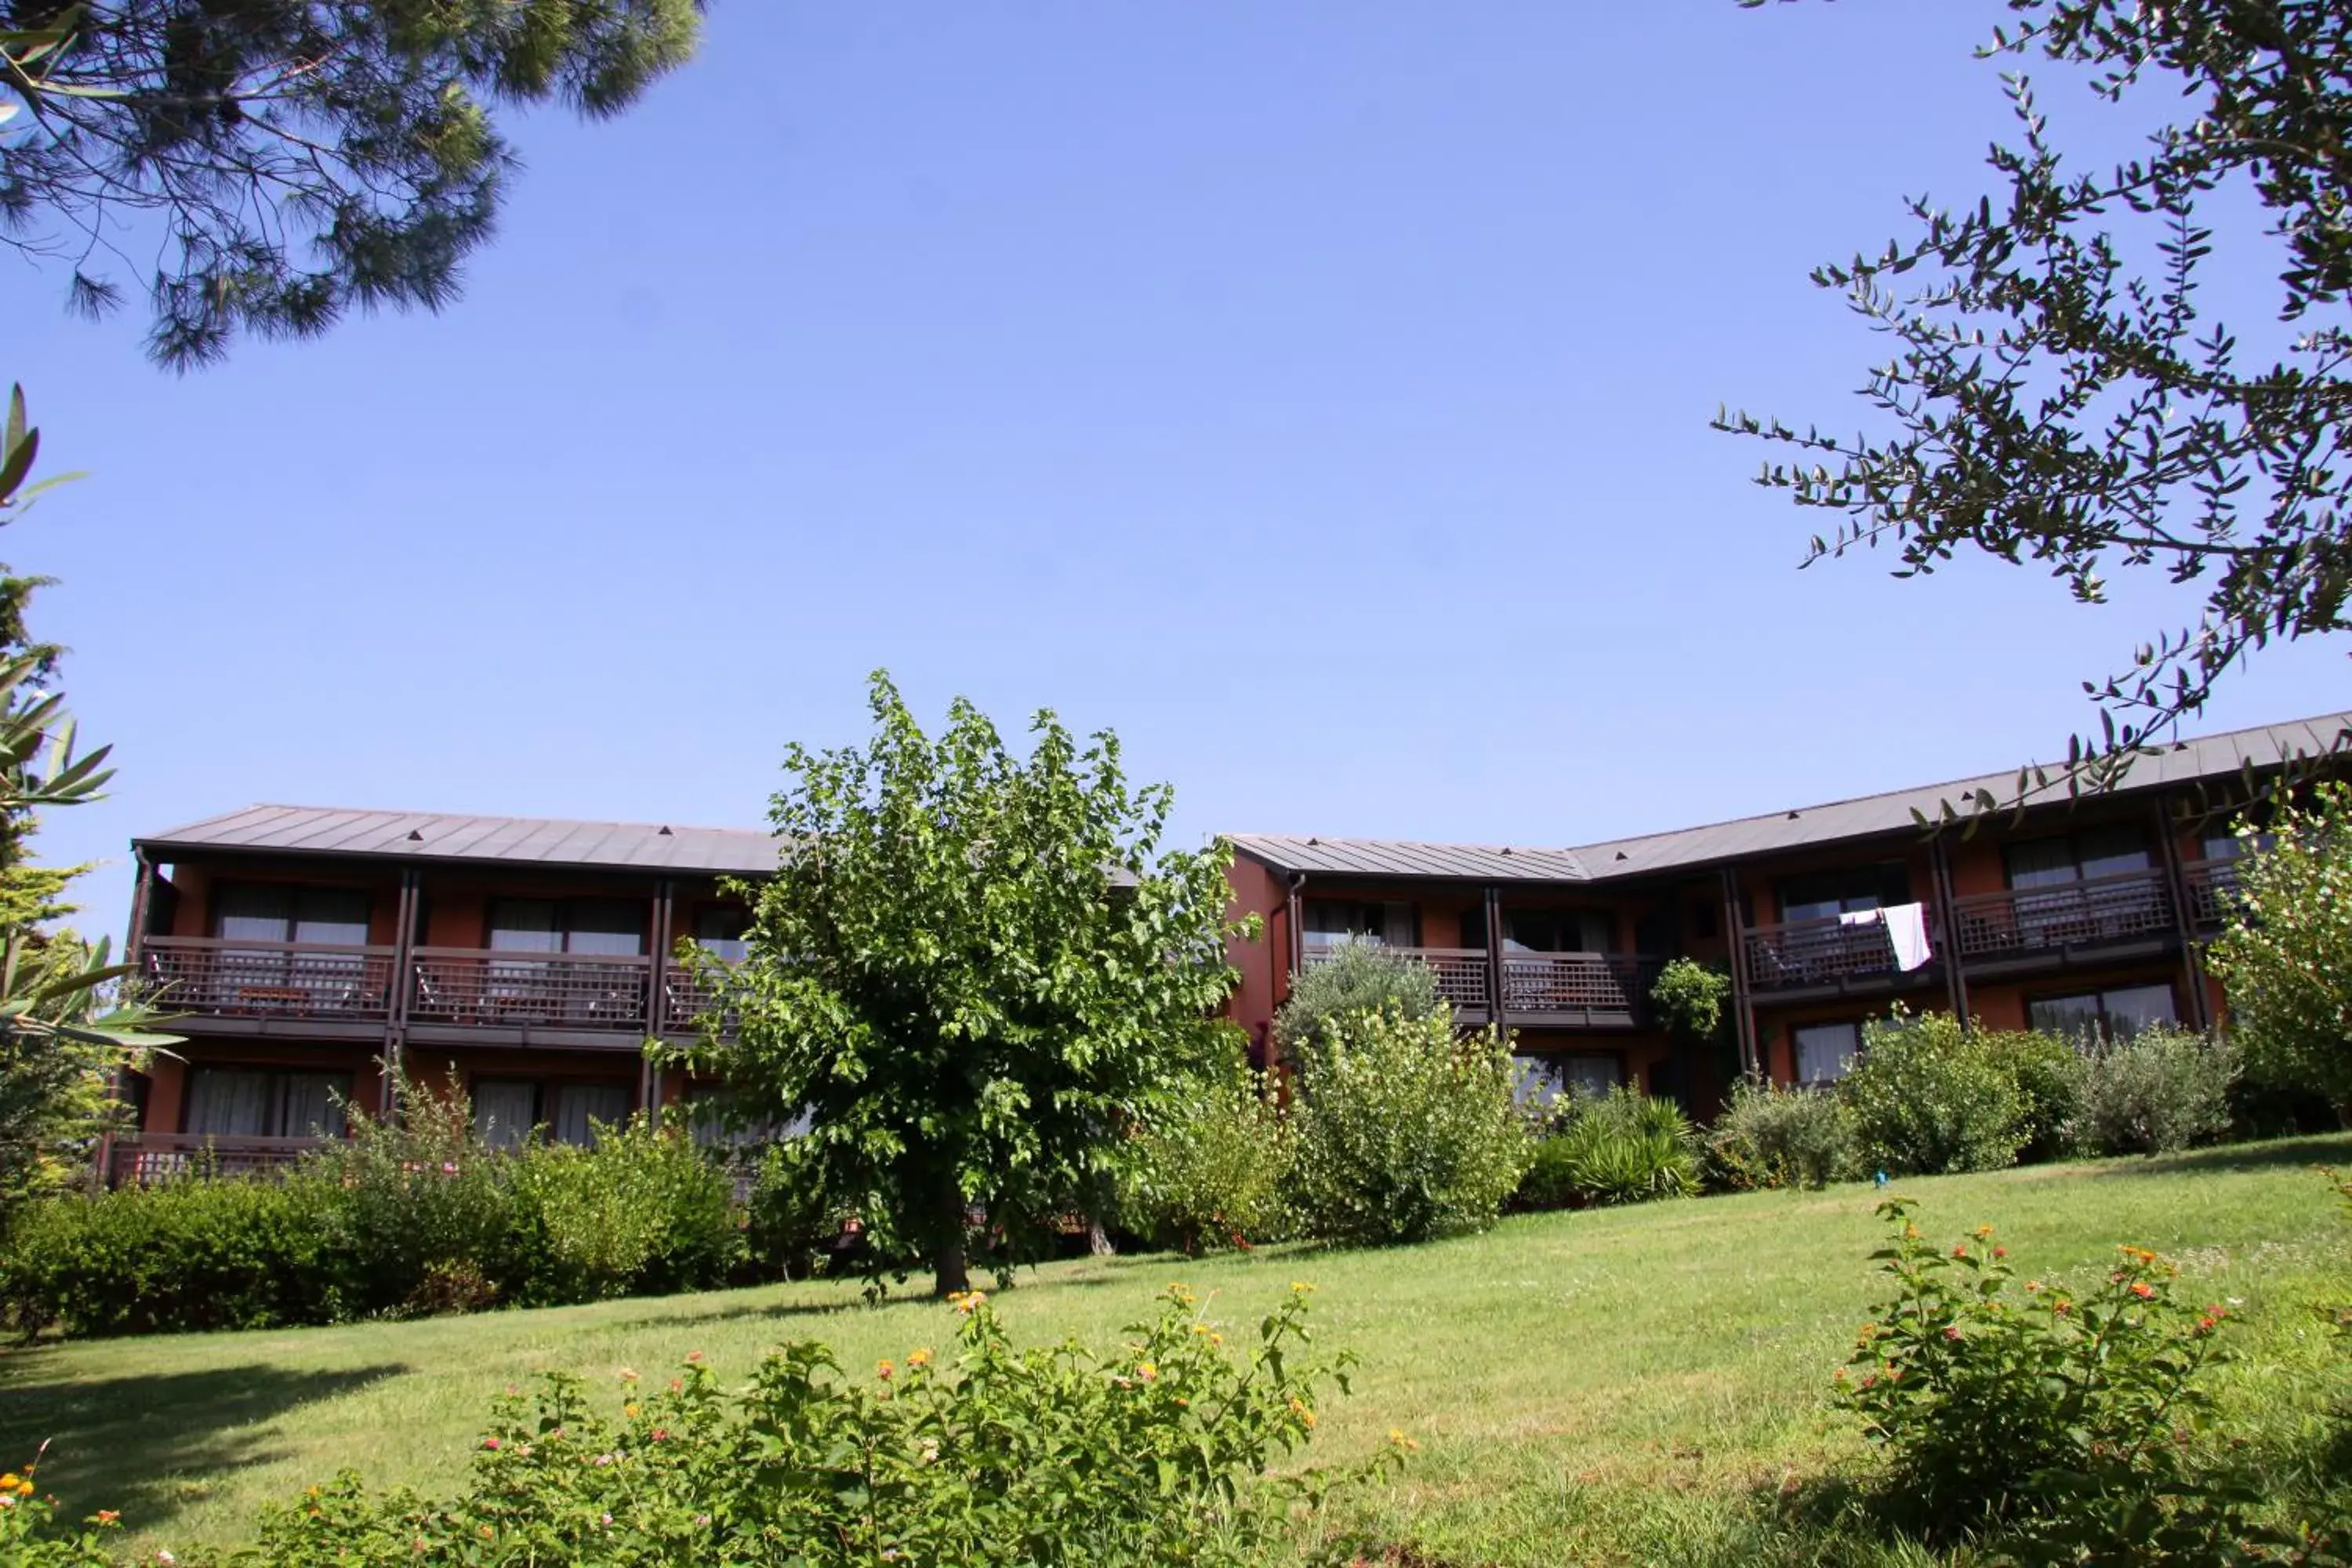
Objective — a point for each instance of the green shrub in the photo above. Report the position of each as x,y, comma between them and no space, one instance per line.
2162,1089
1928,1096
640,1212
2049,1072
2062,1417
1354,977
792,1223
1405,1132
402,1221
1772,1135
1687,998
30,1536
1619,1148
1214,1175
1155,1452
428,1221
188,1254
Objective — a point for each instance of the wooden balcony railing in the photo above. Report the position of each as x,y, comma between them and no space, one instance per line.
1461,970
150,1157
519,990
222,978
2212,892
687,1000
2097,910
1822,951
1583,983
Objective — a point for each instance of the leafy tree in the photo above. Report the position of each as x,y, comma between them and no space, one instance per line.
1351,978
299,157
976,973
2055,394
64,1026
2285,958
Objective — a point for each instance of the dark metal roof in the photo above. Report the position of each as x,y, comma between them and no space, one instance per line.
1397,857
2209,757
437,836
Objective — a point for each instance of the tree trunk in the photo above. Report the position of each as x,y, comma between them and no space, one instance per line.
1097,1239
948,1271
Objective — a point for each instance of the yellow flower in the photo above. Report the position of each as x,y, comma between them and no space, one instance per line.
919,1358
630,1410
1147,1372
883,1369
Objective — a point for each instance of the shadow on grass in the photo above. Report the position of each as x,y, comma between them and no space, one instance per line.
126,1443
2335,1150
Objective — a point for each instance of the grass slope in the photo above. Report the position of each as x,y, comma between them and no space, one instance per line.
1616,1386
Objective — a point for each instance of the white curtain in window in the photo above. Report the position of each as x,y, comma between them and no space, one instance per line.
578,1106
314,1104
1824,1051
226,1102
504,1113
2133,1008
1592,1075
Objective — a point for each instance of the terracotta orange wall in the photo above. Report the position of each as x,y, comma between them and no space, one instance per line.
1257,890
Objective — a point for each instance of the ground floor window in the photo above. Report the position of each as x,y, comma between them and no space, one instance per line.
2117,1013
1587,1075
707,1123
506,1110
266,1102
1824,1051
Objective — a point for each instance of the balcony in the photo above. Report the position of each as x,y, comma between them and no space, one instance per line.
1576,990
1461,970
685,1000
262,983
2212,892
2131,908
1828,952
150,1157
1591,990
564,992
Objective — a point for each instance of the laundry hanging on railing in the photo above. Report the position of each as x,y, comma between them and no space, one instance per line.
1906,929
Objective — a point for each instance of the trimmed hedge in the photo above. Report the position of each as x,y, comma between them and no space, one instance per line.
400,1222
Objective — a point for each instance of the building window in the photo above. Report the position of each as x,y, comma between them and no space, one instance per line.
706,1125
2116,1014
1587,1076
1824,1051
249,911
2077,857
1852,891
591,927
1554,931
718,931
1330,922
262,1102
507,1109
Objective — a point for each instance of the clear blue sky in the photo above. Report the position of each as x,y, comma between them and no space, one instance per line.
1315,393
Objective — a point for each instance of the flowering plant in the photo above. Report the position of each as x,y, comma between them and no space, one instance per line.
1155,1452
2059,1412
29,1533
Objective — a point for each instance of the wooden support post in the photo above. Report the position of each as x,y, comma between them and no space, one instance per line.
2176,881
657,992
401,982
1743,1002
1948,920
1495,1009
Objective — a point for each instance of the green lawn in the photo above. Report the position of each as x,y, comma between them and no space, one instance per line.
1620,1386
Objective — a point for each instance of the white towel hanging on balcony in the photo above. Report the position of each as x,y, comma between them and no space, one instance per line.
1906,928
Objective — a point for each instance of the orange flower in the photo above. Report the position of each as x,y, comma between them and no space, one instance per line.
2142,1289
919,1358
883,1369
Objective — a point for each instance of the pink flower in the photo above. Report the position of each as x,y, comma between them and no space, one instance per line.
490,1442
